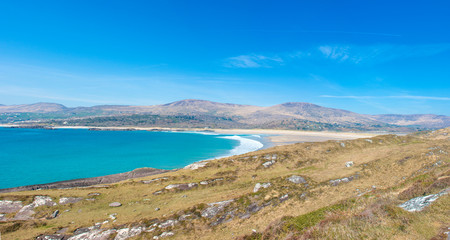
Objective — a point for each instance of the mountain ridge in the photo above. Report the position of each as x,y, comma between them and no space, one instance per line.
248,114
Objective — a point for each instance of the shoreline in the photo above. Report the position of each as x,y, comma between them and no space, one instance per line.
89,182
268,138
274,137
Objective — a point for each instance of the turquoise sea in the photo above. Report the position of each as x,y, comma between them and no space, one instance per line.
35,156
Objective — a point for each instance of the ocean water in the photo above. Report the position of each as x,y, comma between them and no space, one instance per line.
36,156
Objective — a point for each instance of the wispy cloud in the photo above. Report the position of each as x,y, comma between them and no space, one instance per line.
379,53
387,97
354,54
253,61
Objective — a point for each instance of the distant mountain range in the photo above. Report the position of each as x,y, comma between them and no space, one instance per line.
201,113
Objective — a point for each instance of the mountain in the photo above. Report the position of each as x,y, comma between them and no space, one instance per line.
33,108
202,113
424,120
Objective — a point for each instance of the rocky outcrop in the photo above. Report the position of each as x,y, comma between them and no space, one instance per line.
349,164
419,203
27,212
215,208
96,234
68,200
7,206
115,204
196,165
126,233
296,179
258,186
181,186
164,234
269,163
336,182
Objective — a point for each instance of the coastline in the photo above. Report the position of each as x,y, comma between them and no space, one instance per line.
267,138
88,182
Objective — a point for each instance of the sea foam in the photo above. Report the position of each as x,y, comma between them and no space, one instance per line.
245,145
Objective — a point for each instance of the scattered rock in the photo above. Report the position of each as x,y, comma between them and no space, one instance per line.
54,214
296,179
215,208
284,197
94,194
419,203
26,212
196,165
7,206
126,233
52,237
259,186
157,209
115,204
113,216
181,186
168,223
343,180
342,144
269,163
2,217
164,234
154,180
368,140
349,164
204,183
94,234
184,217
62,230
67,200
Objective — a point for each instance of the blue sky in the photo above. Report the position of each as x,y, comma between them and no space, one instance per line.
365,56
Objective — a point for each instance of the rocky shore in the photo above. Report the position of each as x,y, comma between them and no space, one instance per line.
86,182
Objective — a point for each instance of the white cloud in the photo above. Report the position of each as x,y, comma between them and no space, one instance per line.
252,61
379,53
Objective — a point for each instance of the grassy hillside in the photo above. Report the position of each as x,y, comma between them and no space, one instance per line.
324,200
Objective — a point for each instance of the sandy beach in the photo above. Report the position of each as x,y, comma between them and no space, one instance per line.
274,137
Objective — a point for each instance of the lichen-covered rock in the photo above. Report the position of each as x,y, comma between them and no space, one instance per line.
43,200
269,163
54,214
296,179
126,233
336,182
67,200
215,208
181,186
7,206
26,212
419,203
168,223
196,165
52,237
258,186
115,204
96,234
164,234
284,197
